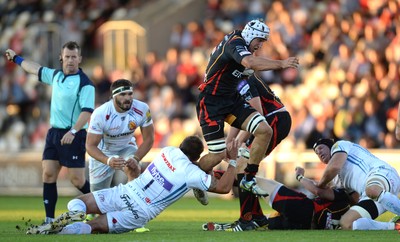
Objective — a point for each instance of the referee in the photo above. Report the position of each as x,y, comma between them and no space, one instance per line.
72,103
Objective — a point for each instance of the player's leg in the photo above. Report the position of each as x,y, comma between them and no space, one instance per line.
382,185
256,125
366,208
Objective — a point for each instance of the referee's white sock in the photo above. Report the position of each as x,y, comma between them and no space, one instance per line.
369,224
76,205
390,202
76,228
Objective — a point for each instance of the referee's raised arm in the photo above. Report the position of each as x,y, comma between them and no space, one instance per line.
28,66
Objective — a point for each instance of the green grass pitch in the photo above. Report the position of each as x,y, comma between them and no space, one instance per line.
180,222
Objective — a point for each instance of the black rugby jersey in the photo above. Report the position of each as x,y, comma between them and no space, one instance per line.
256,87
224,70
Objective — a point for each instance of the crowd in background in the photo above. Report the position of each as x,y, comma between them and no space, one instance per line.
347,85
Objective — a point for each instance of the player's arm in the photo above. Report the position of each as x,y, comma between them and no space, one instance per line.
260,63
28,66
148,141
311,186
92,141
333,168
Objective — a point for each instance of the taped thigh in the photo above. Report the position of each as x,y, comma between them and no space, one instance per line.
254,123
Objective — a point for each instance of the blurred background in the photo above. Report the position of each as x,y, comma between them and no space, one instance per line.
347,86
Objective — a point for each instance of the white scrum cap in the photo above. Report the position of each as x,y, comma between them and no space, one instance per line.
255,29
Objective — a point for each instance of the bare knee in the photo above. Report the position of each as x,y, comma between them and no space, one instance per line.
373,192
346,221
264,131
346,224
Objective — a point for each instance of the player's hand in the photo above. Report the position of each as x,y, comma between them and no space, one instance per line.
10,54
291,62
132,168
67,139
117,163
299,171
232,150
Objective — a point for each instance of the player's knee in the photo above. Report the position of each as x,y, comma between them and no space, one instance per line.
346,223
49,177
373,191
263,130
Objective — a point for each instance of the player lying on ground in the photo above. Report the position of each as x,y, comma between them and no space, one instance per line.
126,207
295,209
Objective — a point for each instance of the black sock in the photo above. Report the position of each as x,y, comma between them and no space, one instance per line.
50,196
86,187
245,199
250,171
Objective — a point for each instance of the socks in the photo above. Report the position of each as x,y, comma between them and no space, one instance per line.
369,224
86,187
77,228
390,202
50,196
250,207
250,171
76,205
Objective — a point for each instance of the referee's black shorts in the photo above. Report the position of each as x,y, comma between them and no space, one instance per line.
71,156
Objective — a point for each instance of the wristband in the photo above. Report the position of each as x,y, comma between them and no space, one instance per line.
18,59
299,177
109,159
232,163
136,158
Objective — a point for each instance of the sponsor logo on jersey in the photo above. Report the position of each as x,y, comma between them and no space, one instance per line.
119,135
171,167
126,199
242,50
158,177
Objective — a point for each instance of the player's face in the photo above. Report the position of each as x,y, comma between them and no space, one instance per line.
124,101
323,152
70,61
256,44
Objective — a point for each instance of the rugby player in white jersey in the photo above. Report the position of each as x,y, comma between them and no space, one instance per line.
355,168
173,172
110,141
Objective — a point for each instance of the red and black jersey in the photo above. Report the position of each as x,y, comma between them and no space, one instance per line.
255,86
327,214
224,69
297,211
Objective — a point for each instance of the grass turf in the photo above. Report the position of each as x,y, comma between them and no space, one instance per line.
180,222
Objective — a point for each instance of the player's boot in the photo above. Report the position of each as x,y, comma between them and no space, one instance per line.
242,225
201,196
262,223
252,187
211,226
396,221
58,224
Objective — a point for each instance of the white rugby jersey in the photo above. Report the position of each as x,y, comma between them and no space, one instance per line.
359,163
117,130
170,176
